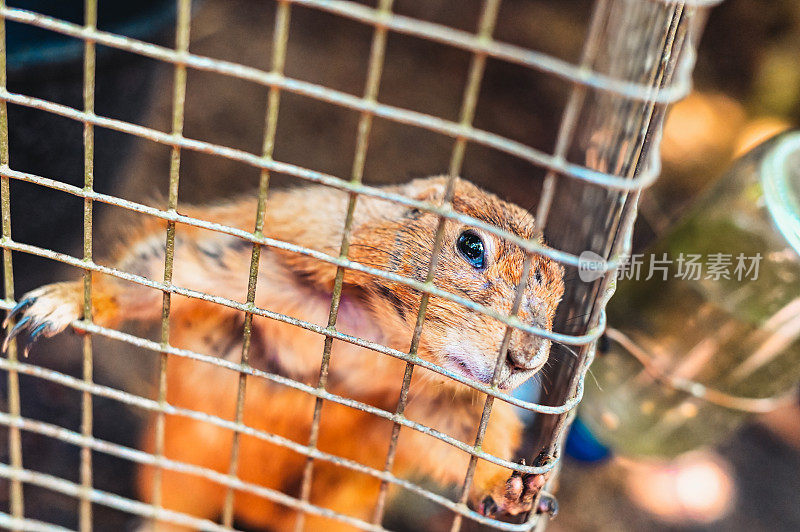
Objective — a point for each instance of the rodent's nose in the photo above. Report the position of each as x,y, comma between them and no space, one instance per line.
528,352
516,359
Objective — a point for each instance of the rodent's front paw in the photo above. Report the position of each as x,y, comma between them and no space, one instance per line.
516,496
45,311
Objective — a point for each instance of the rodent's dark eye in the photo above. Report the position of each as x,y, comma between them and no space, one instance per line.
471,247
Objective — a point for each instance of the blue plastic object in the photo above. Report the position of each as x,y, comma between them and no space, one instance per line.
583,446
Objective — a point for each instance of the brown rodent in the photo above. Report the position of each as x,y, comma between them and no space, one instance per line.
387,235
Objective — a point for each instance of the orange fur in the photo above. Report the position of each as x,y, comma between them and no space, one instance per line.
385,235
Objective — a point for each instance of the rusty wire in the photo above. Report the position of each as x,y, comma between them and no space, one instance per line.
85,520
404,116
280,41
374,71
178,106
481,45
14,436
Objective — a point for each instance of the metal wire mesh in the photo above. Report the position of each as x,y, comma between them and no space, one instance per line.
624,182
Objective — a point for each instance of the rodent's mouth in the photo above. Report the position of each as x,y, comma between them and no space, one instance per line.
519,375
510,377
467,368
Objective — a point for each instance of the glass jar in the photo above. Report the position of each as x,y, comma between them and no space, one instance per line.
705,327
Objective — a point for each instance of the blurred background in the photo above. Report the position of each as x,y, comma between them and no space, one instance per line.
747,89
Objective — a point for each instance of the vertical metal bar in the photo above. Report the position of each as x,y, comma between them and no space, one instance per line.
14,436
569,121
178,104
571,113
374,72
487,406
644,42
85,512
280,40
637,154
469,102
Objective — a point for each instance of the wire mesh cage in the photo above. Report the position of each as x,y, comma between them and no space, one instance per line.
637,58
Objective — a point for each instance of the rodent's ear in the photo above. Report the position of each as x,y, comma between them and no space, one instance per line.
429,189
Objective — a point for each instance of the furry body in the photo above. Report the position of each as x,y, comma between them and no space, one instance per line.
385,235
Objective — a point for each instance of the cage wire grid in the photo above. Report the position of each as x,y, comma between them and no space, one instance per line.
660,90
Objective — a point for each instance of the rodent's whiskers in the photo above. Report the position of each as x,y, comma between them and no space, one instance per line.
565,346
576,318
422,379
538,378
569,278
530,209
574,354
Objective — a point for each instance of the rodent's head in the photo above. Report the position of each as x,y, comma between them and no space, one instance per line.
474,264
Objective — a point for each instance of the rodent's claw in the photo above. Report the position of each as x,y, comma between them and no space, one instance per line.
23,325
19,307
487,506
34,335
547,505
517,495
32,331
43,312
18,327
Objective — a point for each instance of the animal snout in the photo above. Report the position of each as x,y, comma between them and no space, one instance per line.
529,352
517,358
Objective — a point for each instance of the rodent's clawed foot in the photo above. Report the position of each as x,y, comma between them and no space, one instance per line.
547,505
42,312
517,495
23,325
